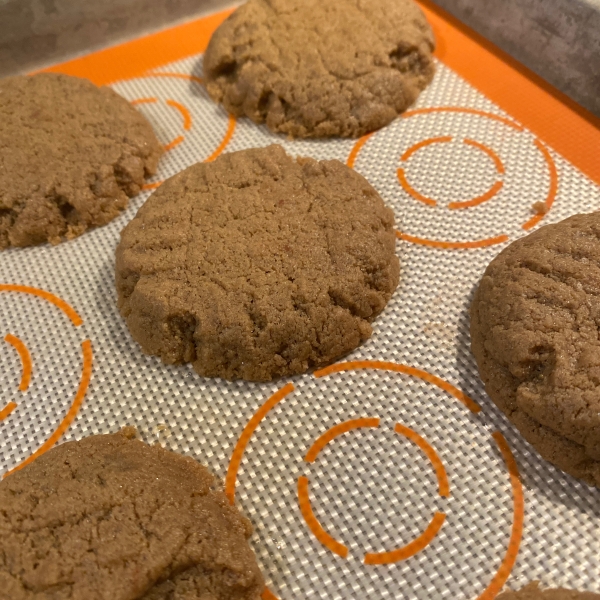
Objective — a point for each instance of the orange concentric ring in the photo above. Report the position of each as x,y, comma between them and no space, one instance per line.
86,370
7,410
317,529
402,176
437,521
183,111
488,195
337,430
431,454
412,548
493,191
373,558
25,357
187,121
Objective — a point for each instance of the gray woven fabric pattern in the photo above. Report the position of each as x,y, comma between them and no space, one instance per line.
463,179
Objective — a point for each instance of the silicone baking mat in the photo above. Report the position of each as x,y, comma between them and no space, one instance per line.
389,474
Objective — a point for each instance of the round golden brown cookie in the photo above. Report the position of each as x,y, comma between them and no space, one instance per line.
111,518
70,155
320,68
534,334
257,265
532,592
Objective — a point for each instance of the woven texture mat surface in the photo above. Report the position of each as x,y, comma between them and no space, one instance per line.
388,476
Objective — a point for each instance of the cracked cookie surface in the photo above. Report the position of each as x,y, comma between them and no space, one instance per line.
70,156
535,324
257,265
315,68
532,592
111,518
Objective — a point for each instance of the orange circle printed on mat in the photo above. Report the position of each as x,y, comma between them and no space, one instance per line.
374,558
185,120
180,108
424,539
462,201
29,377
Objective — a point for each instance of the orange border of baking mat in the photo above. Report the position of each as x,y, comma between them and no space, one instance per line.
561,123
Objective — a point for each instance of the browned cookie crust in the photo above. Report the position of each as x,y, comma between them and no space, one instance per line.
70,155
320,68
257,265
532,592
534,334
110,518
